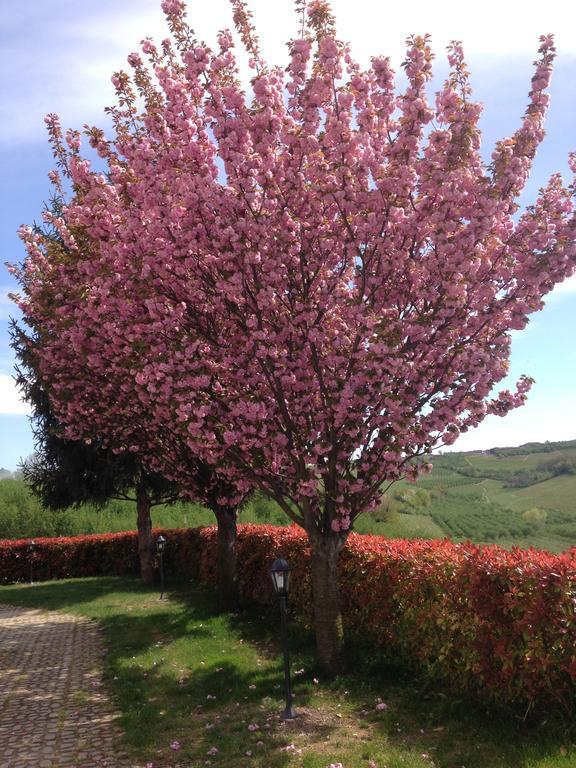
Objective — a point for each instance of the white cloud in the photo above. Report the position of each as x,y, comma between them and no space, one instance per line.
10,400
500,30
61,56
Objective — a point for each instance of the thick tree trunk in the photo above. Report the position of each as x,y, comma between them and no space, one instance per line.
327,617
228,595
145,543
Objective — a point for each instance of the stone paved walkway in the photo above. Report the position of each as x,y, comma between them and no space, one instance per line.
54,712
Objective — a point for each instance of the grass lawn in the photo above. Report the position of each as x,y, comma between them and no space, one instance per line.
180,672
401,526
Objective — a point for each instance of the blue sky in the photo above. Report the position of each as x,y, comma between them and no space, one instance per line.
58,57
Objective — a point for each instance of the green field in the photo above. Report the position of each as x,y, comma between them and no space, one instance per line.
523,499
401,526
558,493
504,496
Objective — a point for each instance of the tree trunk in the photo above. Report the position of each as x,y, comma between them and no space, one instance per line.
228,595
327,617
145,543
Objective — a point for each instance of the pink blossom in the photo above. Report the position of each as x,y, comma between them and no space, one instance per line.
292,748
135,60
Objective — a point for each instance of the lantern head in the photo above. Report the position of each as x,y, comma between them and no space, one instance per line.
280,573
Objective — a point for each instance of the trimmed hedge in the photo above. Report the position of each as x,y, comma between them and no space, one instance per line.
67,557
497,623
102,554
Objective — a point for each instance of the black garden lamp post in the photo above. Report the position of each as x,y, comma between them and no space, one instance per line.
280,573
31,547
160,547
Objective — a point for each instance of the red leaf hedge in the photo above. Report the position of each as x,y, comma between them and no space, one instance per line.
498,623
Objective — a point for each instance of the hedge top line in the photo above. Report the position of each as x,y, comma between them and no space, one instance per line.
358,543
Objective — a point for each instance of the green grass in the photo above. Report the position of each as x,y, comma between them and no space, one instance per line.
414,526
557,496
513,463
166,658
557,493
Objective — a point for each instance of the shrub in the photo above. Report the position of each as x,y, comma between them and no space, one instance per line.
536,516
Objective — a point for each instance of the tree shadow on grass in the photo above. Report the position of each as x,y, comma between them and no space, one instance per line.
451,728
459,731
74,593
165,696
422,716
62,595
209,691
174,666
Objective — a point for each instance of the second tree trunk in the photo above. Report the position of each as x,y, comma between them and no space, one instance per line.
228,595
145,542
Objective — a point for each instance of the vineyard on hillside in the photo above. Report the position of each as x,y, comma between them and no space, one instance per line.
522,496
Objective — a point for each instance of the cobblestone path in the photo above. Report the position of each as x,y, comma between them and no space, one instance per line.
54,712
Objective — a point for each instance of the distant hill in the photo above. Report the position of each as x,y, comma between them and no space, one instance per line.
4,473
513,496
526,448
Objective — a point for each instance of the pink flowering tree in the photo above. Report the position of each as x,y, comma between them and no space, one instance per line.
71,352
312,284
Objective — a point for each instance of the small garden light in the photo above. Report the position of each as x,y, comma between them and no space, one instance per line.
160,547
281,577
280,573
31,547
